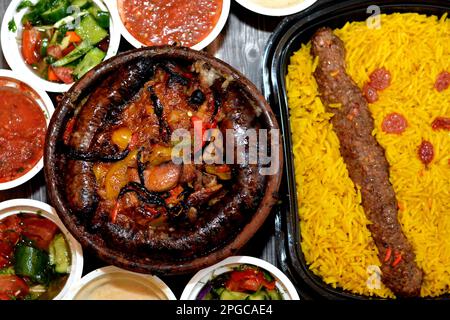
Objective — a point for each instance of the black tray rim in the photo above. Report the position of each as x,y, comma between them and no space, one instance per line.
287,228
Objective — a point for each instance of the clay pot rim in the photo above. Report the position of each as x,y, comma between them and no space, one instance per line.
115,257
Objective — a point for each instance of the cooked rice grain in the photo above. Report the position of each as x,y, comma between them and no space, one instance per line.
335,240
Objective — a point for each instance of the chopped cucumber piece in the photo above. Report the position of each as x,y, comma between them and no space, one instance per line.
259,295
233,295
90,60
77,53
82,4
218,291
64,42
56,13
31,262
274,294
59,254
102,17
24,4
34,15
44,47
70,19
90,30
54,38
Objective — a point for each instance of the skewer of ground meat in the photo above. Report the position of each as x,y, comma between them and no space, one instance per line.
366,164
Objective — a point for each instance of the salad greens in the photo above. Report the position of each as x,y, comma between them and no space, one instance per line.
63,39
34,258
244,282
12,25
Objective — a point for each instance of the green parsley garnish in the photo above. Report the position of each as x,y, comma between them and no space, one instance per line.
12,25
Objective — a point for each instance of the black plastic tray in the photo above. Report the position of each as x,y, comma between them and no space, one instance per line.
287,38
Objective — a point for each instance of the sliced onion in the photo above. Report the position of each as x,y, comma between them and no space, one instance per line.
205,290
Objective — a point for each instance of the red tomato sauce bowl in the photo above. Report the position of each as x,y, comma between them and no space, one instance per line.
39,259
24,116
194,23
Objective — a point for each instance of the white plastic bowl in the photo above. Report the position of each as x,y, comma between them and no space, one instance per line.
12,207
99,275
276,11
11,46
113,8
46,105
195,285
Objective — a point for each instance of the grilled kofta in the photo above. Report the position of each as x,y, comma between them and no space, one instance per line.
121,178
366,163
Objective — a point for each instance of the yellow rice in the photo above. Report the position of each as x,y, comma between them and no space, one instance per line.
334,236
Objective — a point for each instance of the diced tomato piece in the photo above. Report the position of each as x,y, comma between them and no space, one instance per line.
12,287
426,152
370,93
68,50
64,74
5,297
441,123
245,280
40,230
30,45
6,248
51,75
10,229
394,123
270,285
248,280
250,284
442,81
55,51
11,223
4,262
380,79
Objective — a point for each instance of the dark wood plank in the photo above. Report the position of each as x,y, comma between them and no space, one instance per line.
242,41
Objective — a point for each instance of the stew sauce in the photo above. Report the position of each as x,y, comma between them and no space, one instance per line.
22,133
159,22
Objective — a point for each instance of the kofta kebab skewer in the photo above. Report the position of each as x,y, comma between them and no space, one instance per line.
366,163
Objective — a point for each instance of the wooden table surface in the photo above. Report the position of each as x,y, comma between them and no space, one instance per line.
241,44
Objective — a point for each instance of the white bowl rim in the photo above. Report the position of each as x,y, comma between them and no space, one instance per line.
13,207
47,107
276,12
190,292
112,269
11,50
226,4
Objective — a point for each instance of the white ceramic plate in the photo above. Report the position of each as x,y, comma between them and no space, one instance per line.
157,285
112,5
47,108
195,285
12,207
11,46
276,10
